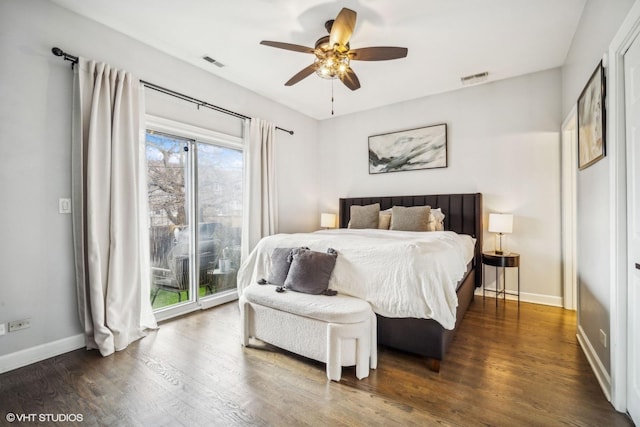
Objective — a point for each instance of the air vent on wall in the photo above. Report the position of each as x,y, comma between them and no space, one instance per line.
213,61
474,78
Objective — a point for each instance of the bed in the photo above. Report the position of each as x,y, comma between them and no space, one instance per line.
427,337
419,284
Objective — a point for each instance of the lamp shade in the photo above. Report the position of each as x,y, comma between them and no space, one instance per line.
500,223
328,220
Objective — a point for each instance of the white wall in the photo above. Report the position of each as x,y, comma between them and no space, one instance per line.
36,259
599,22
503,141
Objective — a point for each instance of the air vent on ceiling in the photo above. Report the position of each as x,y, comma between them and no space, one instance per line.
213,61
474,79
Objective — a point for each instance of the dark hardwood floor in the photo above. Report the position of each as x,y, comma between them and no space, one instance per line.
506,367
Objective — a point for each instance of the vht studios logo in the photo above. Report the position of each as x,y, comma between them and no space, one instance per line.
52,418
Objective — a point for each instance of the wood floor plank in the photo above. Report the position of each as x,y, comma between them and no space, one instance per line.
507,366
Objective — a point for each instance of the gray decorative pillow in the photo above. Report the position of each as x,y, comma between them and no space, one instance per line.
415,218
310,271
364,216
280,264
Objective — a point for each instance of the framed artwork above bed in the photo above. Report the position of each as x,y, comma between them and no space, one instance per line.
413,149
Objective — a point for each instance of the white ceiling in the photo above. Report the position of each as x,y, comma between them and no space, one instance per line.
447,39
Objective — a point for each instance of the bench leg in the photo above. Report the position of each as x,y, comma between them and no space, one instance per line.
374,341
363,351
334,369
358,331
245,308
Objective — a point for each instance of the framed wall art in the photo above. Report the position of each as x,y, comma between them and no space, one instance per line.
592,120
421,148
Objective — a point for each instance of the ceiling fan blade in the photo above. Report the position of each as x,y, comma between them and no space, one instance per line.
305,72
287,46
350,80
380,53
342,28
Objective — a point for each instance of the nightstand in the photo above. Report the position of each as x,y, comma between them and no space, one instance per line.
500,260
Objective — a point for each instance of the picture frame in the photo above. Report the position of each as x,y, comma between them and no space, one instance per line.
591,117
412,149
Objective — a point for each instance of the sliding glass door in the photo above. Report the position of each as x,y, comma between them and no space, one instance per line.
219,201
195,216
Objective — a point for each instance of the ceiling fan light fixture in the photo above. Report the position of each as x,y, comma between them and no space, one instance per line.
332,65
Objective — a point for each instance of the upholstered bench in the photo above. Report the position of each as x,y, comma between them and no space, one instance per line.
338,330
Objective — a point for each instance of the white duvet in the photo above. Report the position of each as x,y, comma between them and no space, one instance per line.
400,273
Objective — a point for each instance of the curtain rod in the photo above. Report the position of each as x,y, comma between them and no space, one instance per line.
74,60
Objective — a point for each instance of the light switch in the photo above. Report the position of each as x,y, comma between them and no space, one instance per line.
64,206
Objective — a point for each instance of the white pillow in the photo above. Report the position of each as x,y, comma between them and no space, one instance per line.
436,220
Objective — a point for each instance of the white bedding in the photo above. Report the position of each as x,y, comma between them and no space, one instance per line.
400,273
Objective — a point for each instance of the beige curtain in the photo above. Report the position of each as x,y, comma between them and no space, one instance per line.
260,210
109,208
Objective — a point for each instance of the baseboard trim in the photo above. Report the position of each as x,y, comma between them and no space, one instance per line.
596,365
526,297
25,357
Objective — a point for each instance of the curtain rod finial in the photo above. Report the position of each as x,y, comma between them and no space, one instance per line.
290,132
57,51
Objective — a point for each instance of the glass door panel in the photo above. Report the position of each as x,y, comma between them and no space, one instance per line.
170,238
219,214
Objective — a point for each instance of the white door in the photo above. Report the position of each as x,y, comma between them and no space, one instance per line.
632,103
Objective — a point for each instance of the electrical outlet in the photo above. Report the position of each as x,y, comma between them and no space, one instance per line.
2,329
603,338
64,206
16,325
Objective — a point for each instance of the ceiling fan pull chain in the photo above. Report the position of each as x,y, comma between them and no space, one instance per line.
332,80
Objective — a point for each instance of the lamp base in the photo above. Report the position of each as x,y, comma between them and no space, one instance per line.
500,247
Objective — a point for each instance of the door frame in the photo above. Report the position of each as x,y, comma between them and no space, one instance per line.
569,155
628,31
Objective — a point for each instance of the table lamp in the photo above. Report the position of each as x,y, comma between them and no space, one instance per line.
500,224
328,220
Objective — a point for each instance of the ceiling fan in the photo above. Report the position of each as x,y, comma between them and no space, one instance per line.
334,55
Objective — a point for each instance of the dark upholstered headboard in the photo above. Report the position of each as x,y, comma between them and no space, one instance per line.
463,213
